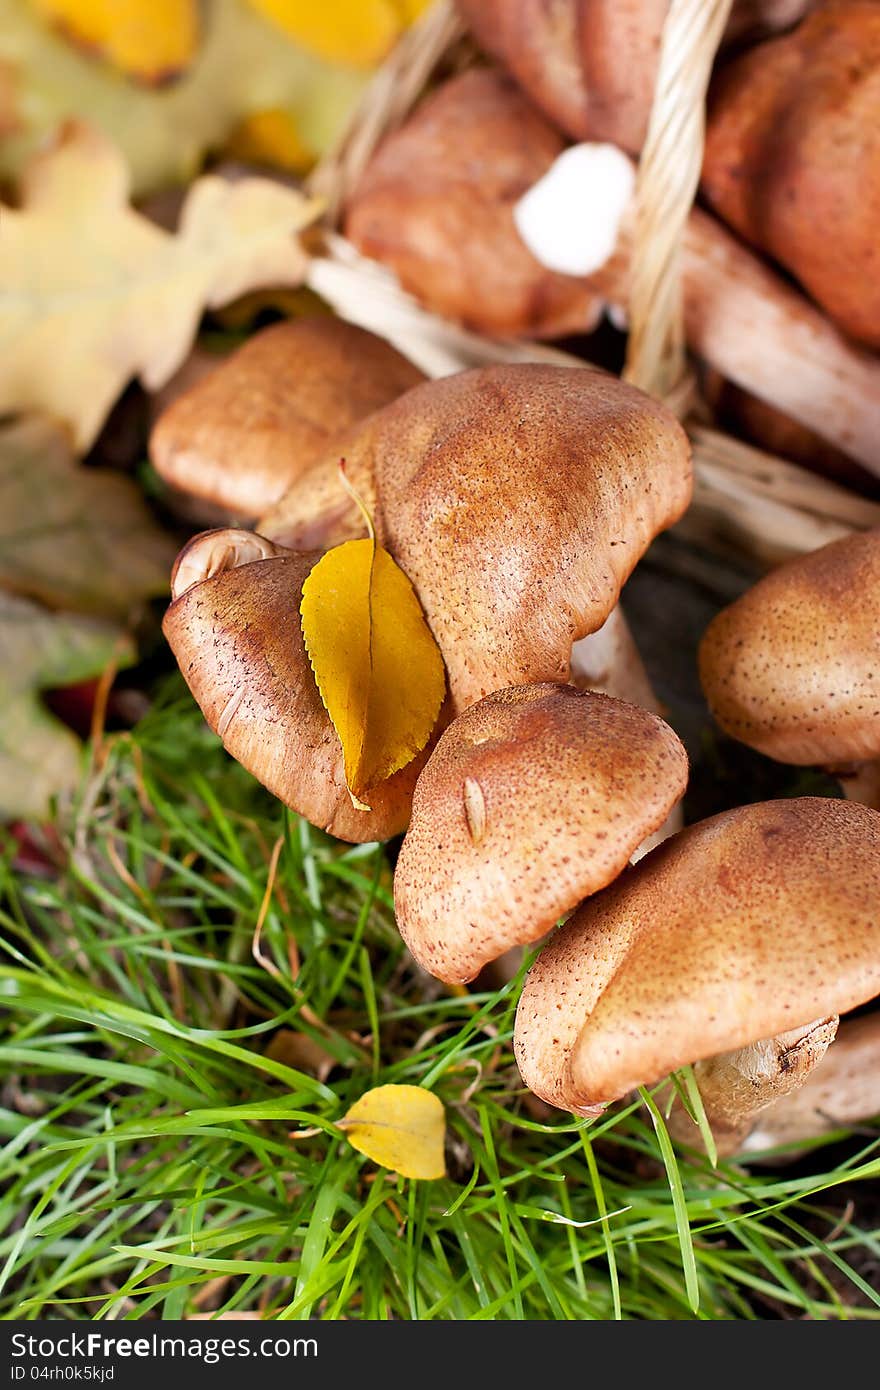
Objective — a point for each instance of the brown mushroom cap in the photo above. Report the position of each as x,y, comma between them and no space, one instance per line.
792,157
590,65
532,799
746,925
237,638
436,204
518,499
793,667
240,435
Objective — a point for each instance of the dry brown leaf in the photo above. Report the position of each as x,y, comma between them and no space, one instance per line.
39,756
224,1317
74,537
92,294
302,1053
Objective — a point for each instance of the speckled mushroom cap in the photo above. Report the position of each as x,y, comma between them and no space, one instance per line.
533,798
237,638
741,927
517,499
589,64
792,158
793,667
242,433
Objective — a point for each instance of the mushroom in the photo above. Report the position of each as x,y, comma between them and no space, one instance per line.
532,799
792,157
244,431
450,234
792,668
234,628
590,65
756,925
436,204
843,1090
517,499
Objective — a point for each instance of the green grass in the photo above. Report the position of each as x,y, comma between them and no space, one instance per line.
148,1167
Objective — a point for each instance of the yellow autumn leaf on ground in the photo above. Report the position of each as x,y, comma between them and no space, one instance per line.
399,1127
92,294
378,668
243,65
271,138
357,32
150,40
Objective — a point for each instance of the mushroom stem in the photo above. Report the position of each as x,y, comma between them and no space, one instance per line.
745,320
843,1090
608,661
860,782
765,336
737,1086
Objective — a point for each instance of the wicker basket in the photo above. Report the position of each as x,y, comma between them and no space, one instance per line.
747,504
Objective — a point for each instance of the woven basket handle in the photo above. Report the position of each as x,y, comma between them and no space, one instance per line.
669,172
390,96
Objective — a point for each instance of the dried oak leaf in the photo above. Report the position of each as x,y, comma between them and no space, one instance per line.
74,537
92,294
39,756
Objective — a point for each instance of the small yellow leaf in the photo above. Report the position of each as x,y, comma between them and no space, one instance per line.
150,40
377,666
411,10
270,138
356,32
399,1127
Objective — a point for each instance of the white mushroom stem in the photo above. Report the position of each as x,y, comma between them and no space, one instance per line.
737,1086
740,316
768,338
843,1090
609,661
860,782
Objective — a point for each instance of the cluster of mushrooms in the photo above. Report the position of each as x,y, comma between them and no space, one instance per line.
488,213
518,499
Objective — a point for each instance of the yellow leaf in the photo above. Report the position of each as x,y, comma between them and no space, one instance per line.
92,294
399,1127
272,138
243,64
357,32
378,668
411,10
151,40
